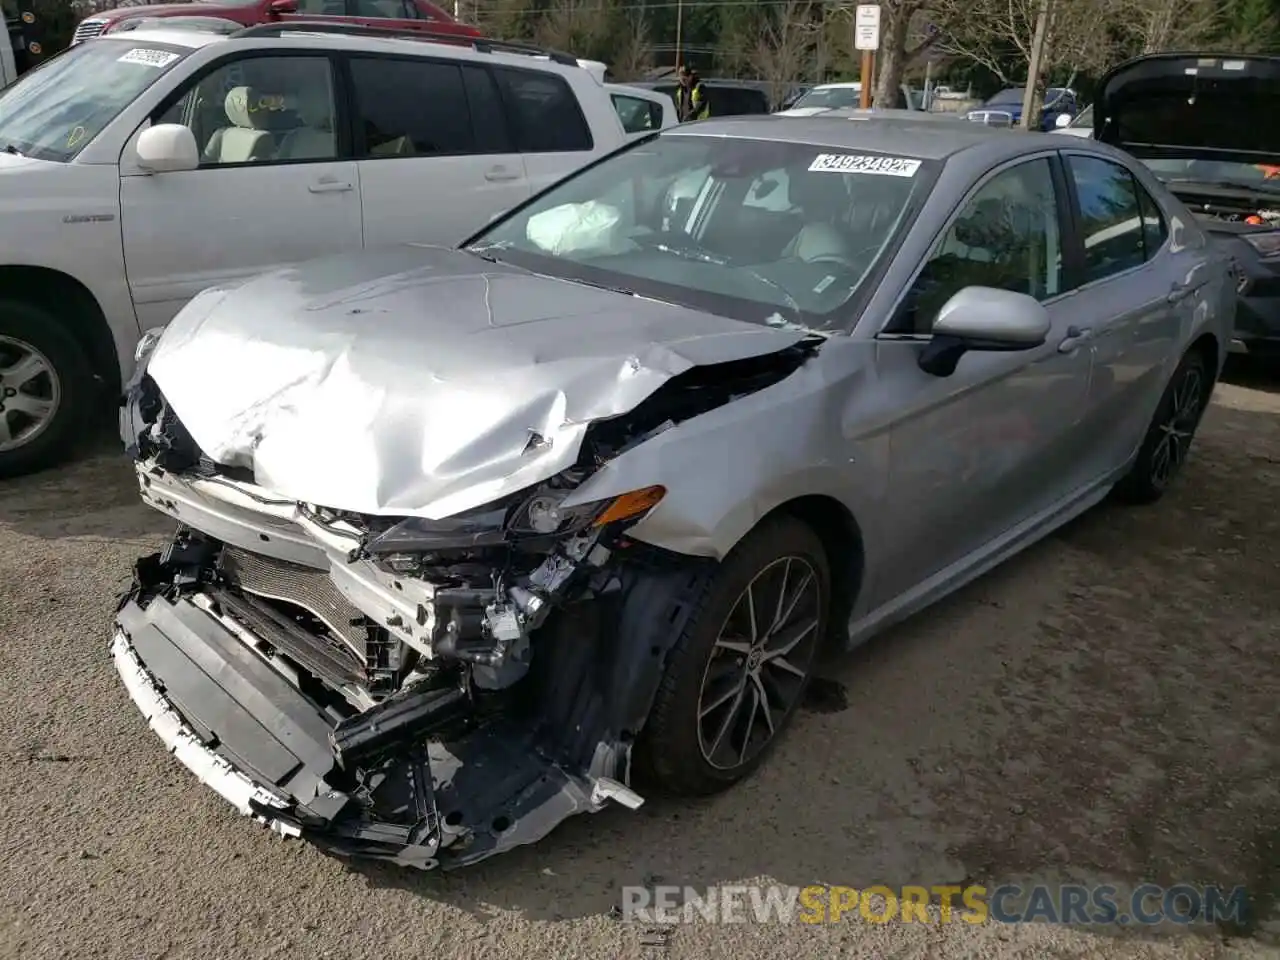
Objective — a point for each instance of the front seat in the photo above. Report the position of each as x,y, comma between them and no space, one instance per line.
818,239
314,140
248,138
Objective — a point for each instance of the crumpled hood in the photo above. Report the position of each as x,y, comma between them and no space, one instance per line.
1199,106
410,381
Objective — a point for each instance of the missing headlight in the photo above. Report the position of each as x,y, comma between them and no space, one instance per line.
523,519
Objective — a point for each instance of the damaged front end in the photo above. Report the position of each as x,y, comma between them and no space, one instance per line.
429,692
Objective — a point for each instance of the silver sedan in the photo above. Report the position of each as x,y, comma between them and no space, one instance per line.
471,540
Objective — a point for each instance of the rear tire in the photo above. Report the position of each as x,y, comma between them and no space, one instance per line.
733,681
46,390
1168,441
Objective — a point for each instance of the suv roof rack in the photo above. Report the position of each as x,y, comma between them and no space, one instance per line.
479,44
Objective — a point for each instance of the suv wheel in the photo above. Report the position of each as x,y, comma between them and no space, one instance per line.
45,389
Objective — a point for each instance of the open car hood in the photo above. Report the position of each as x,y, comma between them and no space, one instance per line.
1194,106
422,381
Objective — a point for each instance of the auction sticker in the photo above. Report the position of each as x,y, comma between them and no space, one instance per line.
859,163
150,58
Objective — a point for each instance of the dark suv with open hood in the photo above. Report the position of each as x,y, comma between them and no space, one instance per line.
1204,124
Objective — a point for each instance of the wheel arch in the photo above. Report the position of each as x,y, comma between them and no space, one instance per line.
835,525
1207,346
55,291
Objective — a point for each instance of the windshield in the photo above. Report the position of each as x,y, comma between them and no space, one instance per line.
768,232
1084,118
1010,97
56,110
830,97
1261,176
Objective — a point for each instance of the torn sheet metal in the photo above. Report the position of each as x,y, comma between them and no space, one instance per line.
301,375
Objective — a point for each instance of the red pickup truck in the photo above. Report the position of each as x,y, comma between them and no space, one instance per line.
392,14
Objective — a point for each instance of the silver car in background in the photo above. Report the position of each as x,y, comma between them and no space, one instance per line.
471,540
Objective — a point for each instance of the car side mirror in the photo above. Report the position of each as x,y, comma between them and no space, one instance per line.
1062,120
166,148
283,6
983,318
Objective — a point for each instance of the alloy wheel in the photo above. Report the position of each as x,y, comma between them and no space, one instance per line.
30,392
759,663
1177,428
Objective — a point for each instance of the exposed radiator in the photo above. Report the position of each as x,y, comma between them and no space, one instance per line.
306,587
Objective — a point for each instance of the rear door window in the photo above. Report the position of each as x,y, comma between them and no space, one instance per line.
410,108
1111,221
544,112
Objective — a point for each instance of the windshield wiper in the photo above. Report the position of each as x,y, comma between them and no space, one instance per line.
481,250
10,148
686,251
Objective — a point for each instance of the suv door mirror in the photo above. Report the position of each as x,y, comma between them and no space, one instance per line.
167,147
983,318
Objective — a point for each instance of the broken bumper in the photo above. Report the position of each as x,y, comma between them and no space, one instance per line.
254,738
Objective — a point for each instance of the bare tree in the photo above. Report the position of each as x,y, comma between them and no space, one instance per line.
896,50
583,27
998,34
775,46
1154,25
634,55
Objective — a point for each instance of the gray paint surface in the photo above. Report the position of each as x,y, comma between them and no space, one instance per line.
408,381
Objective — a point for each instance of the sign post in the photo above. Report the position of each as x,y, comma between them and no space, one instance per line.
866,37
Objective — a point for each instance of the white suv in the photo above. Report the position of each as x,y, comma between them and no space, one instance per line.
142,167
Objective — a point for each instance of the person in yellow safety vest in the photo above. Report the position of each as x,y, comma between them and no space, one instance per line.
691,96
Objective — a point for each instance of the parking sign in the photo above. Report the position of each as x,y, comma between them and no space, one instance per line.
866,27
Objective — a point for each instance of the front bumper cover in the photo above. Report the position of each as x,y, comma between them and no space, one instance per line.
247,733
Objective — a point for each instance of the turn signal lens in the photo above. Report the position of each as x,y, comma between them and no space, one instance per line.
631,505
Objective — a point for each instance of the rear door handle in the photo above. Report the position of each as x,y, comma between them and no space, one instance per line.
1075,336
501,173
330,185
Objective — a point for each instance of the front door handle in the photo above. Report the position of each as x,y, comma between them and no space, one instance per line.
501,173
1074,338
330,185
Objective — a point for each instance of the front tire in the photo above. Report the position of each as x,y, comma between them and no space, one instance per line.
1168,441
46,390
739,670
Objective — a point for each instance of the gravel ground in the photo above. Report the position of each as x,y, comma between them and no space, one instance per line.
1101,709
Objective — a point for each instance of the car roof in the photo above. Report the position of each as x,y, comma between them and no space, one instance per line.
873,113
647,92
309,39
758,85
913,137
842,85
193,39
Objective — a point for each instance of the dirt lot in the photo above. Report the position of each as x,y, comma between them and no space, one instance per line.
1101,709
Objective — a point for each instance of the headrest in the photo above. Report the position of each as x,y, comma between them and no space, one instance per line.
240,104
250,109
